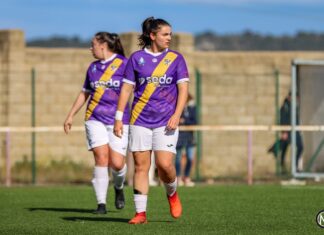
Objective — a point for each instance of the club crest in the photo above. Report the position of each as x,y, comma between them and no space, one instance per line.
167,61
141,61
94,69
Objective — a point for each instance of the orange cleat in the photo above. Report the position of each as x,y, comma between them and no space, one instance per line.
139,218
175,205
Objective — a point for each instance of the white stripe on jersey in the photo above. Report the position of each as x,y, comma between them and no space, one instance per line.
183,80
128,81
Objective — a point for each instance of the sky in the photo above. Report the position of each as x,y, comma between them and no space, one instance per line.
83,18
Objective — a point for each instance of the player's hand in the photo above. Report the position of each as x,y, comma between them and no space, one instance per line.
118,128
67,124
173,122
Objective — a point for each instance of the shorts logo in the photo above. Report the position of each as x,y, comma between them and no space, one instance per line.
169,145
320,219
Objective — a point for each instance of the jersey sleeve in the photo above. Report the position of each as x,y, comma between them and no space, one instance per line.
86,85
182,71
129,74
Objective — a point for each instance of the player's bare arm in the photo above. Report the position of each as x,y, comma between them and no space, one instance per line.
77,105
181,102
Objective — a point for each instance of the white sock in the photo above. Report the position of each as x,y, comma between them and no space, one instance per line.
171,188
140,202
119,177
100,183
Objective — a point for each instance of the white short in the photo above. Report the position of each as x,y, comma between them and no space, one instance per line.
99,134
156,139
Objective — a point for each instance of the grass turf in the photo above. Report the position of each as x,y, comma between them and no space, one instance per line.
235,209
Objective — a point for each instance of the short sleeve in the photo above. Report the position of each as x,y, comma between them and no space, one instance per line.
86,85
182,70
129,75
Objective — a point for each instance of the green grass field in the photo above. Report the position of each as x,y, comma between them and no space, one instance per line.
234,209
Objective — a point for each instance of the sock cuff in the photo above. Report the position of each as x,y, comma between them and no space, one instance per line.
140,201
171,188
100,172
174,183
139,197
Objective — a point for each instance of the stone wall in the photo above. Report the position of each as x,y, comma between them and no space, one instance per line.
238,88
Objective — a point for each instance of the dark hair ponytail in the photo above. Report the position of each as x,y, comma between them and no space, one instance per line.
150,25
112,40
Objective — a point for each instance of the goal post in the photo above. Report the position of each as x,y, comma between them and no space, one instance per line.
307,78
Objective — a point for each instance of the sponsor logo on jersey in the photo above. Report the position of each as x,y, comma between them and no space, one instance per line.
158,81
154,60
141,81
106,84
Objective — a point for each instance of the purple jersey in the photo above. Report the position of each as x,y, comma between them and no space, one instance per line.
103,82
155,77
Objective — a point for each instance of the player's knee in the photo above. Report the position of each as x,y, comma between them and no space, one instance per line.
118,166
101,160
165,167
141,169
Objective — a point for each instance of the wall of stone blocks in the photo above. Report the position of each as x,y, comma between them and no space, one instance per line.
59,78
238,88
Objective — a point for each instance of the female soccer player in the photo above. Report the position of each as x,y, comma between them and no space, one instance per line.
102,84
160,80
